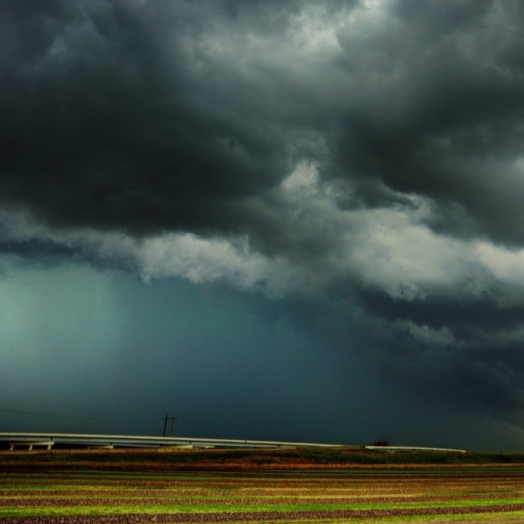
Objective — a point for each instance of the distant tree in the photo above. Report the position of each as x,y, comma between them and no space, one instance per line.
381,442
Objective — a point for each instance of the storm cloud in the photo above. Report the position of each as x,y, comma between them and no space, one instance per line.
366,154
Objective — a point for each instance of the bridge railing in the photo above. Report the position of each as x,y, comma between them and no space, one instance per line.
141,440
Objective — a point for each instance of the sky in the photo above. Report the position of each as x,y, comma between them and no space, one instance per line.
295,220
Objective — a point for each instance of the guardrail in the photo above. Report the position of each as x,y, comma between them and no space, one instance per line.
14,438
414,448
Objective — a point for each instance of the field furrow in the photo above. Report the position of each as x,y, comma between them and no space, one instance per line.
155,492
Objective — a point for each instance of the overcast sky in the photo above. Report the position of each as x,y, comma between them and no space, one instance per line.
272,219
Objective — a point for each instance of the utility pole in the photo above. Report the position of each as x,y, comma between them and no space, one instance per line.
172,419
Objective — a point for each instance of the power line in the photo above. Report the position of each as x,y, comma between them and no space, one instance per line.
62,408
19,412
78,417
172,419
20,401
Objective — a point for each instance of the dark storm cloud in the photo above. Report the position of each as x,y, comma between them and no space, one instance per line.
151,117
144,118
446,118
114,118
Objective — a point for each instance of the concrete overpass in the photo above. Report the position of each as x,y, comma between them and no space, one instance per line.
47,440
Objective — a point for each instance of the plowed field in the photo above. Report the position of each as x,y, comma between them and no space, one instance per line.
81,493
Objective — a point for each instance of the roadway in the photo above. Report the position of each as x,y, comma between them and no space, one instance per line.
47,440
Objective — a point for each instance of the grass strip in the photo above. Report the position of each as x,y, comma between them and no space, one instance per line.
33,511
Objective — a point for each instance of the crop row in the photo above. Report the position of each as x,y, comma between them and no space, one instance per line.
269,496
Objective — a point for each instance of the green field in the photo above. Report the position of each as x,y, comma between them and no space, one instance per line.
256,486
